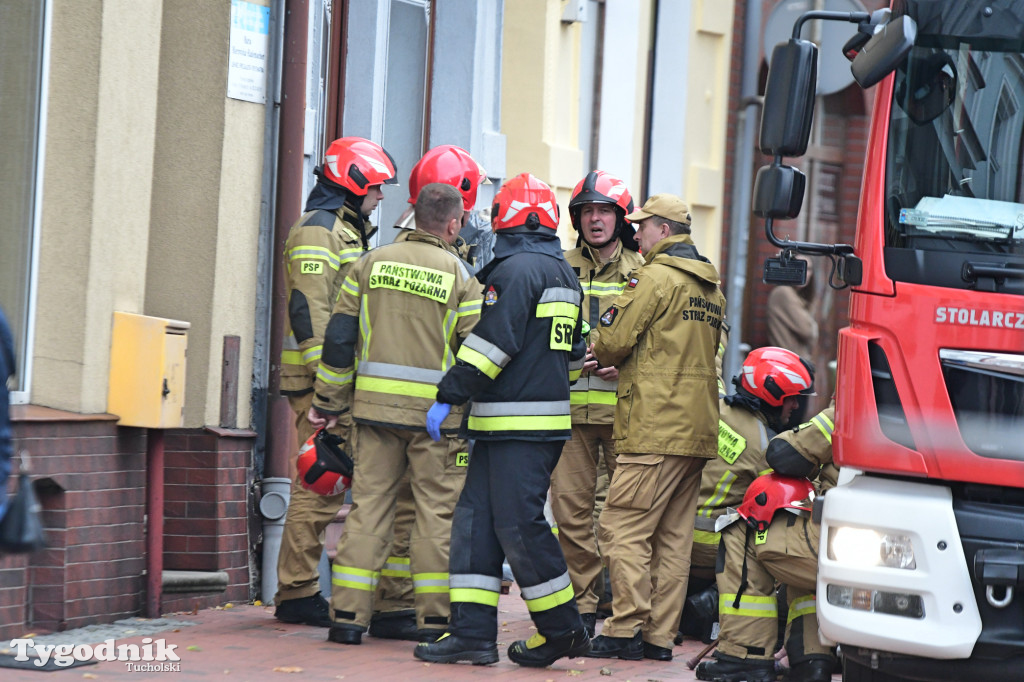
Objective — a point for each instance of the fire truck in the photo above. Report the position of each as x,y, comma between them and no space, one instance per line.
921,565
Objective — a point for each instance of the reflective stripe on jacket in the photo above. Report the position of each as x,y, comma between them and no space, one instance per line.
742,439
663,334
320,249
403,311
593,398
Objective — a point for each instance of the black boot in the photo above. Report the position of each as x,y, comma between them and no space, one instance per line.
657,653
451,648
341,634
311,610
626,648
813,670
540,652
395,625
726,668
589,622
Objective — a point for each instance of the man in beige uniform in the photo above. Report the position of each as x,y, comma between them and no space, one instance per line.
783,550
403,311
331,234
663,334
767,389
603,261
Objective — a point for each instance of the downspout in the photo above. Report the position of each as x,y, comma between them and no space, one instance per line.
645,162
739,228
264,333
283,158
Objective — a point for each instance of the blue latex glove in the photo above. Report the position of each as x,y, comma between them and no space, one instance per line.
435,415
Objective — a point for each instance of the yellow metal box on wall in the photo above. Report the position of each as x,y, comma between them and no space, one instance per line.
147,371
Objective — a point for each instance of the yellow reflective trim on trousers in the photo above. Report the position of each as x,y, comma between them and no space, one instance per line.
558,309
550,601
521,423
354,578
291,357
592,397
706,537
478,360
396,387
430,583
807,606
471,595
751,607
396,567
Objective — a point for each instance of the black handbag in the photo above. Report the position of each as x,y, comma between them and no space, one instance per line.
21,529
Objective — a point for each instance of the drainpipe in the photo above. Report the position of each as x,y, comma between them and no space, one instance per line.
286,124
739,227
154,520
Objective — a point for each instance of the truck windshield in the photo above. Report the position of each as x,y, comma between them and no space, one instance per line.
954,181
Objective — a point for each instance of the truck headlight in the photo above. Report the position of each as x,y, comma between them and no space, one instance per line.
866,547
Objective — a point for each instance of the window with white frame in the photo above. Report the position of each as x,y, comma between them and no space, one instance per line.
22,113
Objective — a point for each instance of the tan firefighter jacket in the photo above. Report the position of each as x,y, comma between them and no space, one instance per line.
742,439
593,398
811,441
663,334
403,311
320,249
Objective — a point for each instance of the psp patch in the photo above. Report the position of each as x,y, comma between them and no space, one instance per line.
609,316
490,296
632,282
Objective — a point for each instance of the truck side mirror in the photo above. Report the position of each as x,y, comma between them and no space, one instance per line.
789,98
778,191
884,52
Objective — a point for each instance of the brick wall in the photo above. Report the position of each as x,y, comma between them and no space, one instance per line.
90,476
207,484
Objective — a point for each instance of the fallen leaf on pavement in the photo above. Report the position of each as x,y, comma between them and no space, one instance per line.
287,669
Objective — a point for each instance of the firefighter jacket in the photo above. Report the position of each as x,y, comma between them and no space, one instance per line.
320,249
663,333
518,362
806,451
403,310
742,438
593,398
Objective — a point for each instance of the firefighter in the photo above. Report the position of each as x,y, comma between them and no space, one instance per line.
394,616
332,233
516,367
454,166
603,259
663,333
402,312
767,389
772,548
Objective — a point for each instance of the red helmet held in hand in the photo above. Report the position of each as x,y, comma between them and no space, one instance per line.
450,165
323,466
772,492
525,204
773,374
357,164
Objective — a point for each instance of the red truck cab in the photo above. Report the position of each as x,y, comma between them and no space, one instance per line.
921,566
